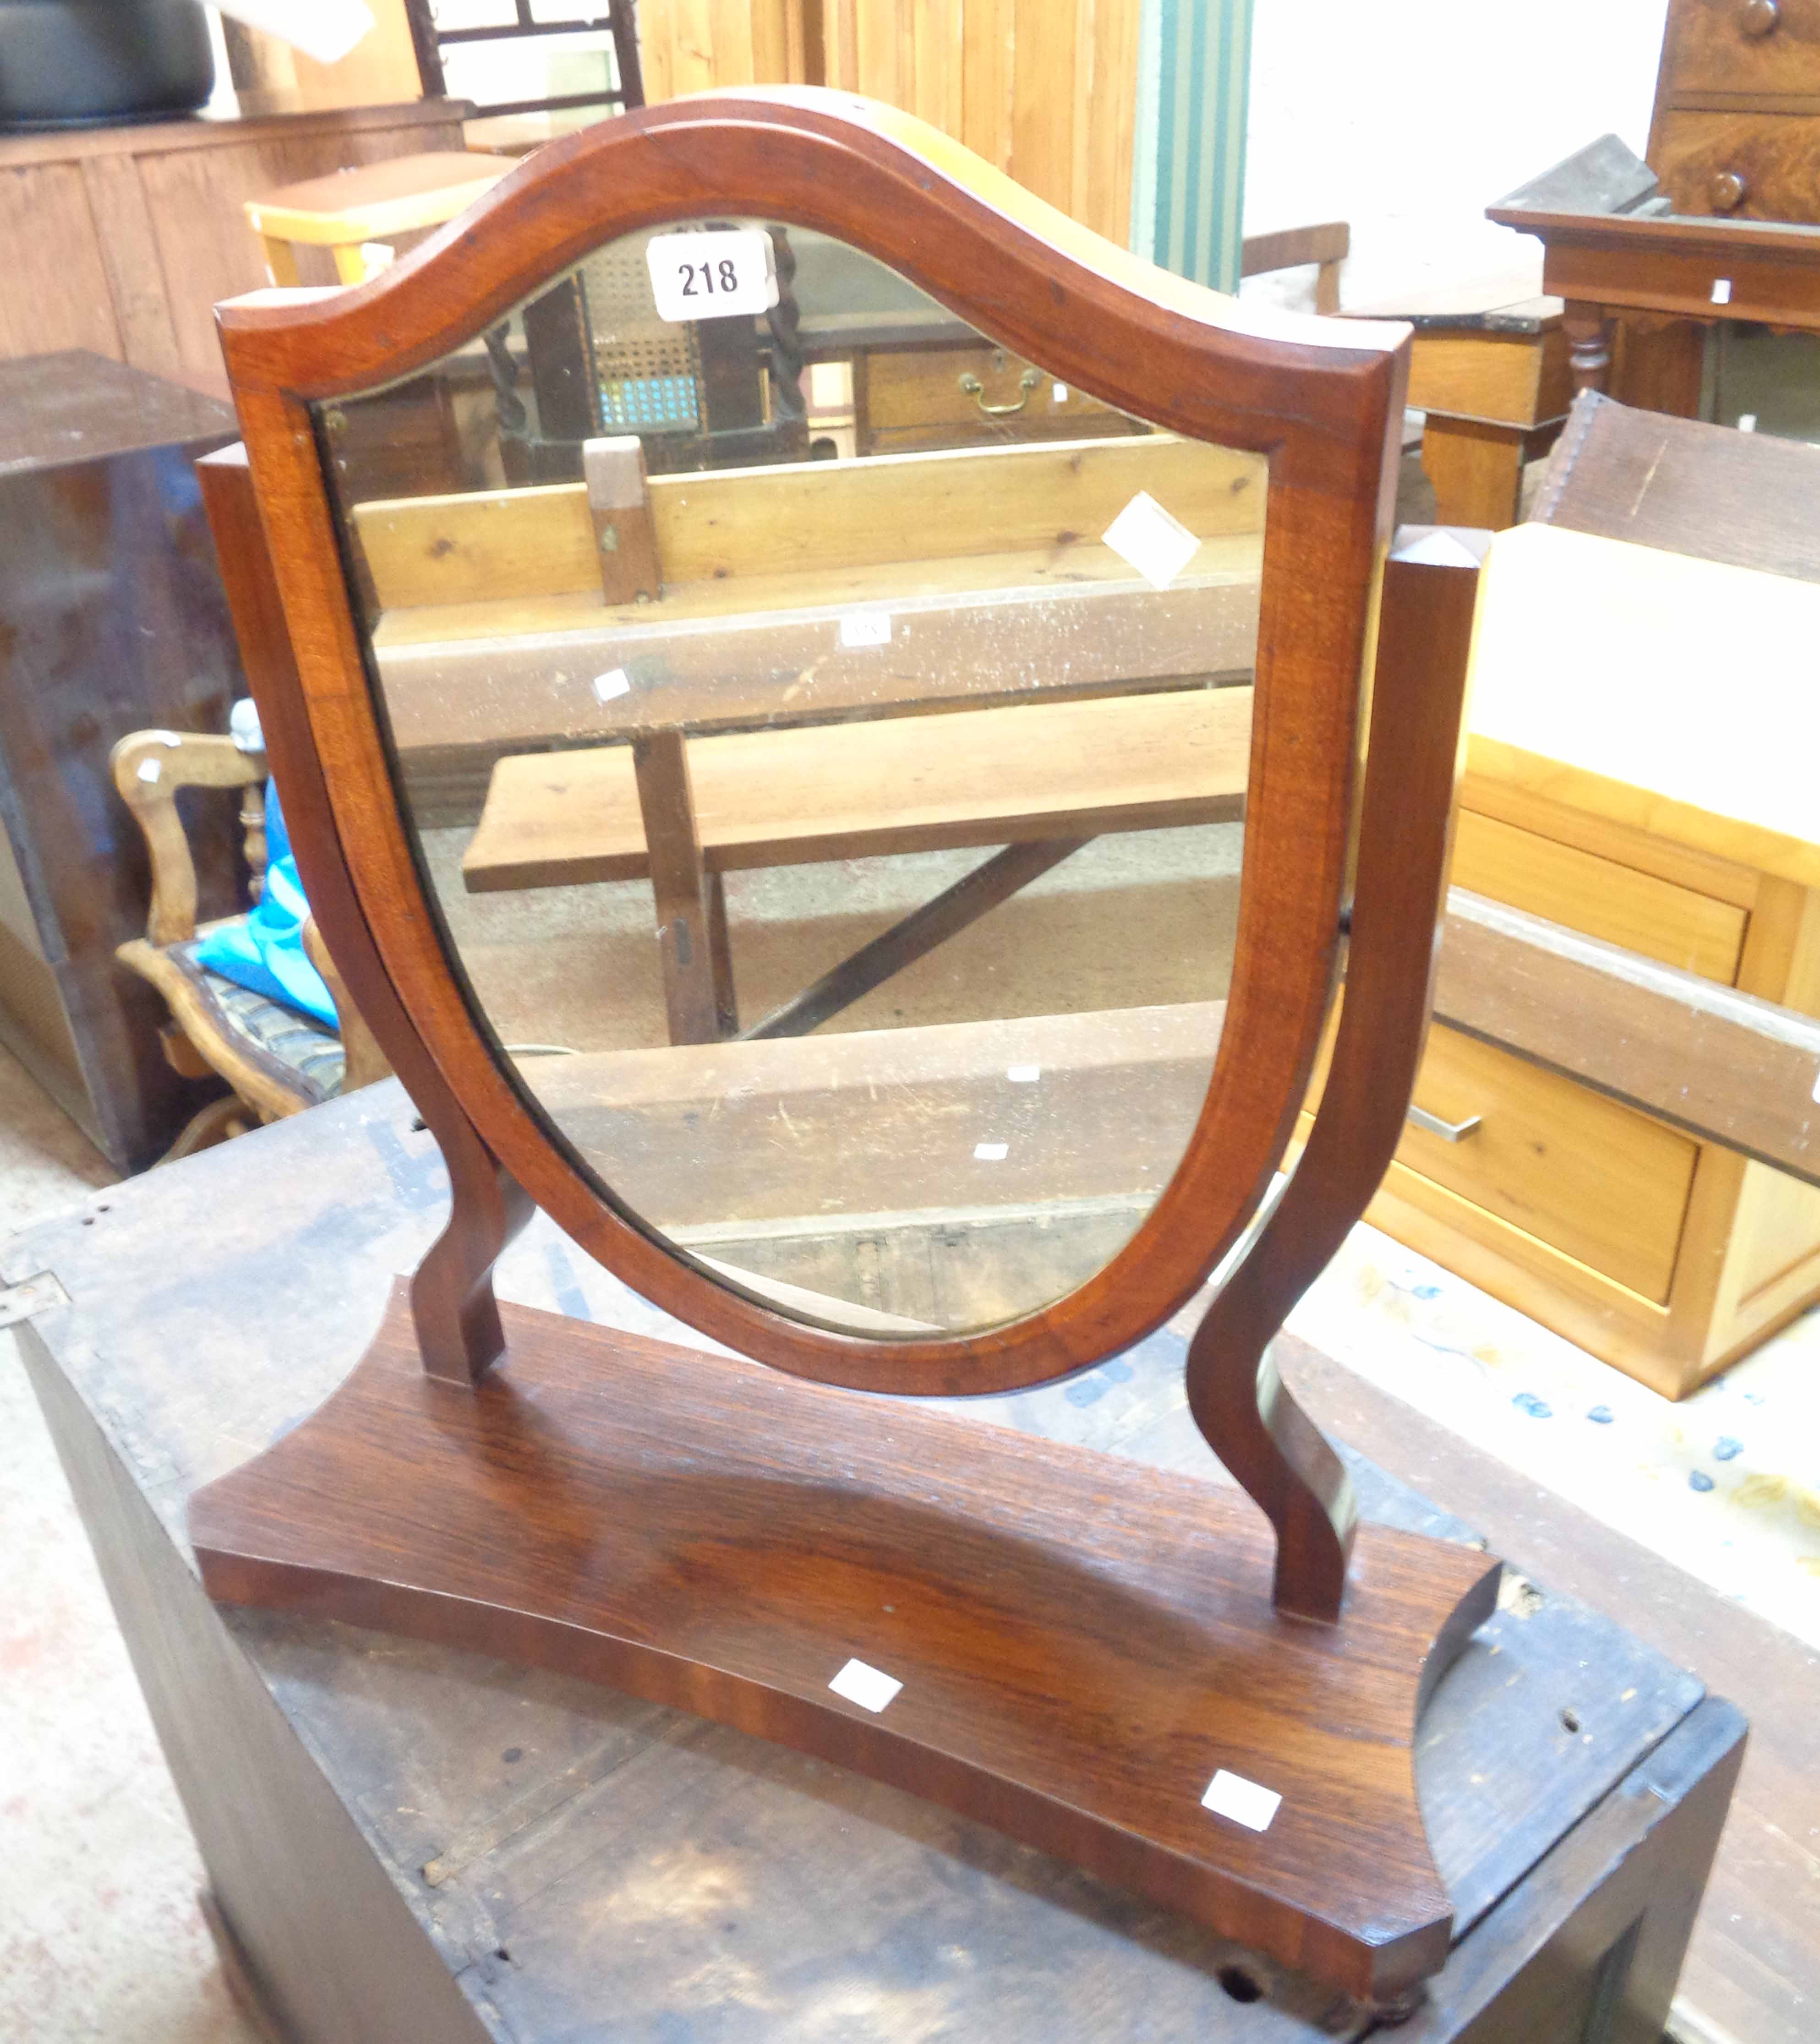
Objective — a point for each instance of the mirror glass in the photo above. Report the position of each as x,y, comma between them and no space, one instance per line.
824,734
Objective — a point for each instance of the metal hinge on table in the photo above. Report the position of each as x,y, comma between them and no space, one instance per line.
31,1295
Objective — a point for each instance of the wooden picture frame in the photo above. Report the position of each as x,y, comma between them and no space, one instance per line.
1335,860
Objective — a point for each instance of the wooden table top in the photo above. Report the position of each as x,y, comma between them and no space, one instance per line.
1675,695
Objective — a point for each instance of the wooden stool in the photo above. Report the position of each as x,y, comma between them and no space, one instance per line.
349,210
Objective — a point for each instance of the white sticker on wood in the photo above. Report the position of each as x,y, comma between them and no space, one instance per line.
870,1688
615,681
1721,290
1023,1074
1247,1803
714,274
866,628
1153,540
991,1153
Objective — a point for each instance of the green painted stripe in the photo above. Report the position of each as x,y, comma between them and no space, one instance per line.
1188,181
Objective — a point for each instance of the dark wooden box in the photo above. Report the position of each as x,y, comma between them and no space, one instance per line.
112,619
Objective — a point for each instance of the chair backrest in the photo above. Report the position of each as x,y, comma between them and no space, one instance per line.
1683,487
149,768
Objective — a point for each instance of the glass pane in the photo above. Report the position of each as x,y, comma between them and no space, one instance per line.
825,735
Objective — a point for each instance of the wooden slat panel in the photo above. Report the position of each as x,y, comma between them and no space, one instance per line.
738,522
1043,58
206,249
128,246
55,294
848,791
1109,116
986,33
1601,899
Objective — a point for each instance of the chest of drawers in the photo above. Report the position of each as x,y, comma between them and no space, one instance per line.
1736,126
1614,785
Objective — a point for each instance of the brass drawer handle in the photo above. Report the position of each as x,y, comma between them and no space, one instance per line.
1450,1132
976,390
1727,191
1757,17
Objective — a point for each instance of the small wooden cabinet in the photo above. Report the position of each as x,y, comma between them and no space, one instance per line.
1667,1256
1736,128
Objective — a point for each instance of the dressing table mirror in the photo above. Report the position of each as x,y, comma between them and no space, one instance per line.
841,730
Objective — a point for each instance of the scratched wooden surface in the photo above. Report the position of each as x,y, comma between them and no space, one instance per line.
582,1865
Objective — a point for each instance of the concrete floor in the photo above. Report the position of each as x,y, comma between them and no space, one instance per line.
101,1942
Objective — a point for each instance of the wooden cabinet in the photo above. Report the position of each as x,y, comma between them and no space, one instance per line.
112,619
974,395
121,240
1746,165
1751,49
1736,129
1666,1257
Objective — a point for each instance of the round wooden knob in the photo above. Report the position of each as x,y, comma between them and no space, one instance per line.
1757,17
1727,191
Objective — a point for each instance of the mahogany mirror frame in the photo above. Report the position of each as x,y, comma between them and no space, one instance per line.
1325,412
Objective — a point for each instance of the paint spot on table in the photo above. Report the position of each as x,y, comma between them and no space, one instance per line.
1537,1408
1699,1480
1726,1449
1602,1416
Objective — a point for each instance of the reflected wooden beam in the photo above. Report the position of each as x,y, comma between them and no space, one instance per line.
1724,1067
954,909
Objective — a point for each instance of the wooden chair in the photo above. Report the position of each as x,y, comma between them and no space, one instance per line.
277,1062
352,212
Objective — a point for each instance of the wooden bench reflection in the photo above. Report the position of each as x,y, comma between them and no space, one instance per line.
735,716
851,1164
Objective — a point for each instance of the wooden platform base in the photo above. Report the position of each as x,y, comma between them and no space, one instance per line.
1082,1643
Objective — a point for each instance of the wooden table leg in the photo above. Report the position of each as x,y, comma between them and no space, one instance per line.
1588,329
1476,466
691,911
1660,365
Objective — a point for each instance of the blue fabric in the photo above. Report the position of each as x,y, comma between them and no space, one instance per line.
264,950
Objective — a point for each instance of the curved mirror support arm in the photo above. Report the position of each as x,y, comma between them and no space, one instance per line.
1248,1415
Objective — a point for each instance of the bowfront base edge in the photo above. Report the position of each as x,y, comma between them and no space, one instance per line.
1066,1645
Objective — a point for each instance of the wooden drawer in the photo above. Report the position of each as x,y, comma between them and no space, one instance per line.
1597,896
912,398
1711,47
1744,166
1604,1185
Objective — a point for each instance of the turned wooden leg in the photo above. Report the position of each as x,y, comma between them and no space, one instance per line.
1588,329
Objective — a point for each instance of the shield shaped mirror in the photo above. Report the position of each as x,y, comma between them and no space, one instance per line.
823,733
